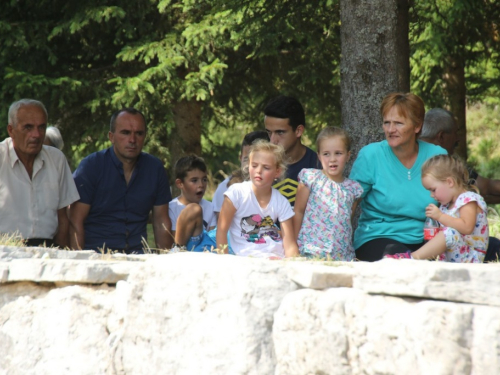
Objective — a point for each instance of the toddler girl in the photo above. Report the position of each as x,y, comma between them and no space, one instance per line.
464,228
251,208
326,199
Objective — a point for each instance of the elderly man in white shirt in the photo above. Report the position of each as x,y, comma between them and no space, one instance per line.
36,185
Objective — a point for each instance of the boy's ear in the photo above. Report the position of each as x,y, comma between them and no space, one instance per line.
178,183
300,129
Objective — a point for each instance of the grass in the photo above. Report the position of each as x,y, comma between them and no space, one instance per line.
494,222
483,129
14,239
151,236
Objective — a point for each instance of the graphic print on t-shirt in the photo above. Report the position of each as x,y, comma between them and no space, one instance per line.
254,228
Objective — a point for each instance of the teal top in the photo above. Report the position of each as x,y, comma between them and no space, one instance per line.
394,200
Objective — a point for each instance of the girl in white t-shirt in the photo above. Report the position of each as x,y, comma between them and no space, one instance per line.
251,209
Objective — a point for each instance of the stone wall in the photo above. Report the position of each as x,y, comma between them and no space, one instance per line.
84,313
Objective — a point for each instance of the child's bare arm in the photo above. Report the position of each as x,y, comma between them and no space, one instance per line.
289,239
464,224
225,218
300,206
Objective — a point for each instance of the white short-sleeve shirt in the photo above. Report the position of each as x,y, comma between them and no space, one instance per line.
29,206
218,197
175,207
253,231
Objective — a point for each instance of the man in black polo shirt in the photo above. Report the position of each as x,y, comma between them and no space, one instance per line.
285,123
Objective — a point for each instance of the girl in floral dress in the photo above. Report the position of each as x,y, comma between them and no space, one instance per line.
464,228
325,201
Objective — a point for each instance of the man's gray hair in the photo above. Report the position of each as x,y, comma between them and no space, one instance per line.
437,120
55,137
14,108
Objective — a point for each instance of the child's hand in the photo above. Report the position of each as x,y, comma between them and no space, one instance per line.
433,212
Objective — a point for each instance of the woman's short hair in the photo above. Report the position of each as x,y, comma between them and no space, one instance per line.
409,105
54,136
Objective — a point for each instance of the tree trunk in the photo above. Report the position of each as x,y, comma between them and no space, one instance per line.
185,138
374,62
454,78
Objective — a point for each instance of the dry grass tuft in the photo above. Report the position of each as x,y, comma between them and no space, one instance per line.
12,239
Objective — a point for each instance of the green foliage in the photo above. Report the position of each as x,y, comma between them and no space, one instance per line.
277,48
483,132
446,34
86,59
494,221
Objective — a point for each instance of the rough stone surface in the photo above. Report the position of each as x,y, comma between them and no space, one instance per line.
202,314
57,331
4,273
345,331
191,313
8,253
69,271
310,334
471,283
317,276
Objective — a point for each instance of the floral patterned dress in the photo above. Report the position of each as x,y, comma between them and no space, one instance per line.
326,227
470,248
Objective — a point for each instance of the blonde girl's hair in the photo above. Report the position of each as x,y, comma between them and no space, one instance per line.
330,132
442,167
265,146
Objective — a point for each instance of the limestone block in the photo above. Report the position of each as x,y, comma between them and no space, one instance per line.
486,341
342,331
202,314
471,283
4,272
315,275
116,325
8,249
69,271
13,291
7,256
130,257
310,333
392,336
7,253
62,331
75,254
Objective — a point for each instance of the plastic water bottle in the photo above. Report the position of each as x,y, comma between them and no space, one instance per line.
431,228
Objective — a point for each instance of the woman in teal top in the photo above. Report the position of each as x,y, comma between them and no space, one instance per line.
394,200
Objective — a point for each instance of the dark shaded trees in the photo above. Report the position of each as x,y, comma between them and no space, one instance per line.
455,54
85,60
196,66
197,69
